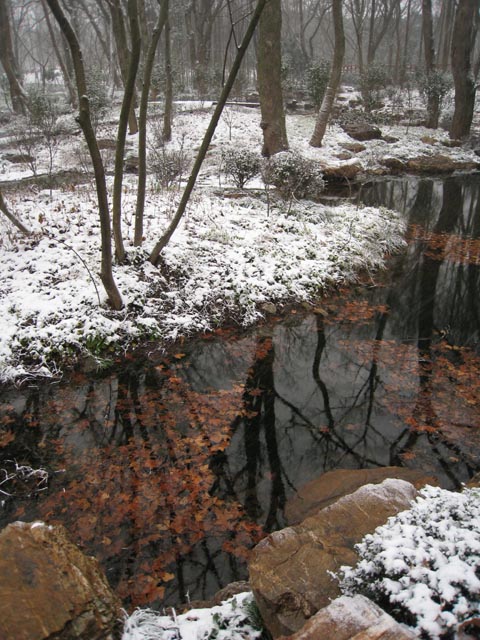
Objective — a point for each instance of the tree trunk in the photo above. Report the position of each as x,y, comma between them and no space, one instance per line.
167,117
142,121
465,89
403,71
127,103
155,255
72,96
13,219
120,37
85,122
433,106
335,76
269,76
8,61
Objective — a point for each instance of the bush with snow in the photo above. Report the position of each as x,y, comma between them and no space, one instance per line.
423,566
240,164
234,619
293,175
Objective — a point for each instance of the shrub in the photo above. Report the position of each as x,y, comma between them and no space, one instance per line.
293,176
423,566
98,96
436,84
240,164
373,81
318,75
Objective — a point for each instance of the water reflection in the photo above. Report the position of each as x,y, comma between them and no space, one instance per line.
170,469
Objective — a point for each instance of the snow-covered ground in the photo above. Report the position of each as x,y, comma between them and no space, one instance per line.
230,255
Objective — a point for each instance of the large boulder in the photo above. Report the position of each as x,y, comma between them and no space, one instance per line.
362,131
50,589
352,619
290,569
342,171
330,486
430,165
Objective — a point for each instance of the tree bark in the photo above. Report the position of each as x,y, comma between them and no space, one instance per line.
142,121
8,61
13,219
465,89
85,122
269,76
120,37
161,244
127,104
335,76
433,106
167,117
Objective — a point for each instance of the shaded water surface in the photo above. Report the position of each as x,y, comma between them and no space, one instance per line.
169,469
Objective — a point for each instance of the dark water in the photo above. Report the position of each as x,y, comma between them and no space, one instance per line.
170,468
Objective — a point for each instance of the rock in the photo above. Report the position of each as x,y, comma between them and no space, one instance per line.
474,482
349,618
18,158
362,131
289,569
394,164
269,307
107,143
451,144
439,164
231,590
130,164
390,139
50,589
331,486
428,140
354,147
340,172
343,155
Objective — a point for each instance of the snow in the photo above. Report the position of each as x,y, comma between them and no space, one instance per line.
228,621
228,258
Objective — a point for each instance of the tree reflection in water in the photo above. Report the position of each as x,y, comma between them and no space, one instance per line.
175,466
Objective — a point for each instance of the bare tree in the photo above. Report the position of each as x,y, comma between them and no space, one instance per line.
462,51
85,123
142,120
269,76
241,50
335,76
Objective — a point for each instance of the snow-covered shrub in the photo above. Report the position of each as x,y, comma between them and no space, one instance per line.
293,176
318,75
423,566
232,620
240,164
373,81
434,85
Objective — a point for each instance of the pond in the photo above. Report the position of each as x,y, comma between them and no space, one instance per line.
170,468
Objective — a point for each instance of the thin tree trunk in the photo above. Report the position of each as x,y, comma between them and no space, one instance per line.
66,77
120,36
85,122
155,255
142,121
335,76
403,72
9,63
269,76
168,114
128,97
13,219
433,107
462,69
